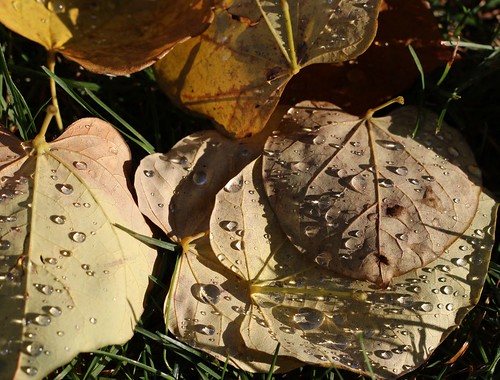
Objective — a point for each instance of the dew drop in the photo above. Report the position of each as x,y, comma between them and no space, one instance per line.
237,245
479,233
446,290
65,253
319,139
60,333
86,205
80,165
78,237
428,178
423,306
66,189
58,219
183,161
234,185
30,371
300,166
385,182
46,289
459,262
308,319
93,320
413,181
43,320
229,225
391,145
199,178
85,266
149,173
4,245
50,260
403,237
449,307
55,311
207,330
384,354
34,348
311,230
209,294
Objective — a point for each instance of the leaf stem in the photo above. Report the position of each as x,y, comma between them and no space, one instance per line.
39,142
51,65
371,111
289,32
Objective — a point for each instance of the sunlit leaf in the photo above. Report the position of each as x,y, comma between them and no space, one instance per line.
254,289
236,70
114,37
363,198
176,190
69,280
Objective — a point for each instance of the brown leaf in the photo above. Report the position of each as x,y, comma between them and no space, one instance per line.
364,199
385,69
236,70
113,37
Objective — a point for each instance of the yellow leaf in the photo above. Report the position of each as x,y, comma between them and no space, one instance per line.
113,37
363,198
236,70
70,281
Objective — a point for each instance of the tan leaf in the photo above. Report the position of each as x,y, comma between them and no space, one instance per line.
113,37
255,289
70,281
236,70
176,190
362,197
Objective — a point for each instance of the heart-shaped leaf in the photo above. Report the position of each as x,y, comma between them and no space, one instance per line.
114,37
255,289
70,281
236,70
176,190
361,196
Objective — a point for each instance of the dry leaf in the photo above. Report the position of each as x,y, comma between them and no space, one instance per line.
70,281
112,37
255,290
236,70
176,190
362,197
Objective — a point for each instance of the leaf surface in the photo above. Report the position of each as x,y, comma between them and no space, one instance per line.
113,37
176,190
364,199
237,69
253,289
70,281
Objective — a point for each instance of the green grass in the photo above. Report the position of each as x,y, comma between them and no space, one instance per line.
467,97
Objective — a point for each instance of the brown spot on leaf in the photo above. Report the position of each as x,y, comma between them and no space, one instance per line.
431,199
394,211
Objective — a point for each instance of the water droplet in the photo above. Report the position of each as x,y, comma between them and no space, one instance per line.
308,319
234,185
86,205
237,245
385,182
311,230
479,233
428,178
423,306
459,262
57,6
402,170
199,178
221,257
65,253
85,266
90,273
207,330
403,237
229,225
413,181
209,294
30,371
46,289
319,139
384,354
34,348
55,311
4,245
60,333
149,173
183,161
50,260
78,237
93,320
446,290
391,145
58,219
43,320
449,307
80,165
66,189
300,166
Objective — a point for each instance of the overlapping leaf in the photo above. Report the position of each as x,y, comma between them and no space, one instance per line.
187,179
70,281
114,37
253,289
236,70
364,199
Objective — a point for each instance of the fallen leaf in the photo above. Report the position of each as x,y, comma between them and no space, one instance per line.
112,37
253,289
176,190
363,198
385,69
237,69
70,281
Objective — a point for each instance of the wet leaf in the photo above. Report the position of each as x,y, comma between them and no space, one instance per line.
253,289
237,69
176,190
70,281
364,199
113,37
